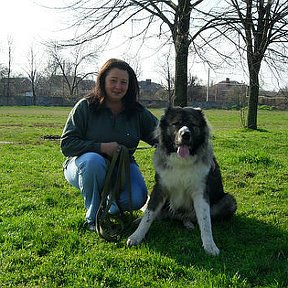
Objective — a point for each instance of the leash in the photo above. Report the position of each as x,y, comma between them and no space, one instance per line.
144,147
110,226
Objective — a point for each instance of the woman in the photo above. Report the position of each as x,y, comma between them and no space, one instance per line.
108,117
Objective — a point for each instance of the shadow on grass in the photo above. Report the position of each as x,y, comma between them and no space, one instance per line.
255,251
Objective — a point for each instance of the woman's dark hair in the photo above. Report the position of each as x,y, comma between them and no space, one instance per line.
98,94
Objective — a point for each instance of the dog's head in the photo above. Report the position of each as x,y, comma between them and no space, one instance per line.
182,130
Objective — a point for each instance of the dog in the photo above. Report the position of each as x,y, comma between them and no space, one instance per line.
188,183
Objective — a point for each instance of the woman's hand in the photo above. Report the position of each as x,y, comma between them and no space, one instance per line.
109,148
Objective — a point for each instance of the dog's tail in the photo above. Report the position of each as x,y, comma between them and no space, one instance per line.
224,209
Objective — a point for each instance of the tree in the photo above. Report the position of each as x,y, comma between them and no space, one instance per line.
71,64
134,62
97,19
9,70
263,28
32,72
196,91
6,70
165,70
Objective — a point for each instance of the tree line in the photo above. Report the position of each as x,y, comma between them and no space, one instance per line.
222,31
257,29
56,71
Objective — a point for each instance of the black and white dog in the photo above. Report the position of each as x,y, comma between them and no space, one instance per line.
188,179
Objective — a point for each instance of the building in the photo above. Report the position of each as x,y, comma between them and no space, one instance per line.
149,89
228,91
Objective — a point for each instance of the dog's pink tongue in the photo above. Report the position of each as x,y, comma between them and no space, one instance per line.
183,151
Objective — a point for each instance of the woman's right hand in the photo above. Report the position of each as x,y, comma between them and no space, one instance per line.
109,148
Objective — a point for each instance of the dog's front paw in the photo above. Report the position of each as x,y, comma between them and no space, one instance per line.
188,224
211,249
133,240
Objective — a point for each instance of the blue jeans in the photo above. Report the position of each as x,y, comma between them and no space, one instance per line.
87,173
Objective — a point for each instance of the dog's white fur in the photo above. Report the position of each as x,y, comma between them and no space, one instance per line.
184,184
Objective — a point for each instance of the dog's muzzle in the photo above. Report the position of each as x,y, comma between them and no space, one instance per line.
184,136
183,142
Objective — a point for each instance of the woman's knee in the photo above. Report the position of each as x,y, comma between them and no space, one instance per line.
139,199
138,187
91,162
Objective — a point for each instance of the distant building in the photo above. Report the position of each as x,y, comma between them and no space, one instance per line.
53,86
227,91
18,86
274,99
149,89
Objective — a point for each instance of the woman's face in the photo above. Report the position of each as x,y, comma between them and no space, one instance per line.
116,84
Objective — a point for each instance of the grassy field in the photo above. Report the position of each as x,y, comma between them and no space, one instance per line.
43,242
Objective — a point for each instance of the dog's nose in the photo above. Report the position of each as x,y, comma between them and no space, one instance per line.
186,135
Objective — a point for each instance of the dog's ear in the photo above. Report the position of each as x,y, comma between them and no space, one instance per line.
198,110
192,108
168,109
163,121
203,116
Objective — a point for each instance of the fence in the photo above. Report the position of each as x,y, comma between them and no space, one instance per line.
40,101
280,103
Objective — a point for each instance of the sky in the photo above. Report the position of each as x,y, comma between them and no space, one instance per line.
28,24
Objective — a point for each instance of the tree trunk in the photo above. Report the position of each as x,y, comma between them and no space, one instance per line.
181,43
253,96
181,60
33,92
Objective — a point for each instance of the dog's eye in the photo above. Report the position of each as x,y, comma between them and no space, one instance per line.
193,125
176,123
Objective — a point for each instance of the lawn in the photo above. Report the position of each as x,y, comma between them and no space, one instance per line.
43,241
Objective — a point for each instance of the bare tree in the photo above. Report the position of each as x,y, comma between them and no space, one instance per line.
165,70
49,72
262,28
95,19
134,62
71,64
9,70
6,70
32,72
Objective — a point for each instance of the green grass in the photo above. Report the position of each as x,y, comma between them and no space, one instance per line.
44,244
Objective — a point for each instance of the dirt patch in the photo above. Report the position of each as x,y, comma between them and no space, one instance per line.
51,137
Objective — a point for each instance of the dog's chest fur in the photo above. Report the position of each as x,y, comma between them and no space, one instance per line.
182,179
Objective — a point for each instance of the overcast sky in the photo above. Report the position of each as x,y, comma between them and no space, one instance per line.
27,23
